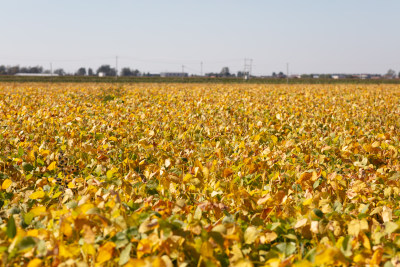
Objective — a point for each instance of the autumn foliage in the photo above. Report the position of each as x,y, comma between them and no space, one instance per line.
199,175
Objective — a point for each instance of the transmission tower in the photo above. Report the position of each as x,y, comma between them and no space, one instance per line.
248,64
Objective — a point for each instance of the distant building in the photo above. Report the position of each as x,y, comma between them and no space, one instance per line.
102,74
338,76
174,74
36,74
376,76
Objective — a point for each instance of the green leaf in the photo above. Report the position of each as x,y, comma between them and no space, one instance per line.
11,228
318,212
20,152
287,248
28,217
27,167
316,183
346,246
26,242
125,254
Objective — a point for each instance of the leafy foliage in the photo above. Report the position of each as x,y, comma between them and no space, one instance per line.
199,175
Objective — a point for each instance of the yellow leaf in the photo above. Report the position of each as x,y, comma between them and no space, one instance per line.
35,263
207,250
274,139
135,263
326,257
359,258
243,263
301,223
110,173
45,153
113,138
250,235
268,237
105,252
38,210
52,166
206,172
85,207
6,184
88,249
56,195
187,178
303,263
66,228
377,257
365,241
64,252
68,252
307,202
304,177
37,194
31,155
33,232
144,247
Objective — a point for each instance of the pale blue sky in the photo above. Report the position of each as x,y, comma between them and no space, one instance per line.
313,36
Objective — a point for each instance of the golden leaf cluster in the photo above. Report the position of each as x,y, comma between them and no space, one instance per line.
199,175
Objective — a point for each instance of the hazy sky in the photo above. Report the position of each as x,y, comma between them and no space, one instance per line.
313,36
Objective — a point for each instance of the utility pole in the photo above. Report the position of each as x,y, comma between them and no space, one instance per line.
251,66
201,68
287,73
183,71
116,67
51,69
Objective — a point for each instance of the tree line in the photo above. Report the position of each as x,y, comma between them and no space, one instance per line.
105,70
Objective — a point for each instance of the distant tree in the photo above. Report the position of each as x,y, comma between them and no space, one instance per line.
36,69
390,74
325,76
59,72
12,70
212,74
3,70
126,72
274,74
81,72
398,75
90,72
281,75
107,70
129,72
225,72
